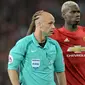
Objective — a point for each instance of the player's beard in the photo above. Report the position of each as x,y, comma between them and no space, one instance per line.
77,23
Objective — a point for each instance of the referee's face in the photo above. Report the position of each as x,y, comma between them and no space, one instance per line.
72,15
47,24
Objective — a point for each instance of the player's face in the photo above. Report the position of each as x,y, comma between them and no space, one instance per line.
72,15
47,25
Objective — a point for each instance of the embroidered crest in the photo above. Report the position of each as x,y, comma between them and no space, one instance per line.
84,39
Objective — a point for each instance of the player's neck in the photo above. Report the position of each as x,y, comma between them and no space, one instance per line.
39,37
71,27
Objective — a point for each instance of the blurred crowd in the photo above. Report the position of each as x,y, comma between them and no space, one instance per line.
15,18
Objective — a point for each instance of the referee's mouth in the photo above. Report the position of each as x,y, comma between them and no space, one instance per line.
51,32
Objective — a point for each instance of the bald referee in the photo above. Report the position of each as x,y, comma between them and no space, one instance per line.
37,56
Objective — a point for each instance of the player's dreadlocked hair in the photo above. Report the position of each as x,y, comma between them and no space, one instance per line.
32,25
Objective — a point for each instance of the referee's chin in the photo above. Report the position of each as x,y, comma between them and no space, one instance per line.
51,34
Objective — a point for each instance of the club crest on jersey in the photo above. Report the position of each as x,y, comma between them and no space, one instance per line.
35,63
10,60
84,39
76,49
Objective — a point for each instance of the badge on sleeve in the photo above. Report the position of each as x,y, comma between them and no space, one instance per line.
10,60
35,63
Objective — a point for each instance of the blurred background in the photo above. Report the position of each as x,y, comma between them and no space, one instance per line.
15,18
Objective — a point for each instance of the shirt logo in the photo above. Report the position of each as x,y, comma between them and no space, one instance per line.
76,49
35,63
66,40
33,50
10,60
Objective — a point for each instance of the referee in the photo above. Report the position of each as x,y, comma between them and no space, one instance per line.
37,56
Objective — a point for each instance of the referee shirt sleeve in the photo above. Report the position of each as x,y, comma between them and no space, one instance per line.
16,55
59,65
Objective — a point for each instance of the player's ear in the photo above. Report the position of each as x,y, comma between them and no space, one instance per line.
63,15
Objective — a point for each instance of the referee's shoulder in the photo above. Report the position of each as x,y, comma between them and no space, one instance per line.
25,39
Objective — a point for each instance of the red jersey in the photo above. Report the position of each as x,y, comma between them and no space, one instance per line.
73,46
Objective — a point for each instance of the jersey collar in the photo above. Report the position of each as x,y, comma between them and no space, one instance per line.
34,40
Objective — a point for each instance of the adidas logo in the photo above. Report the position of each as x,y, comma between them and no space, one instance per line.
66,40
